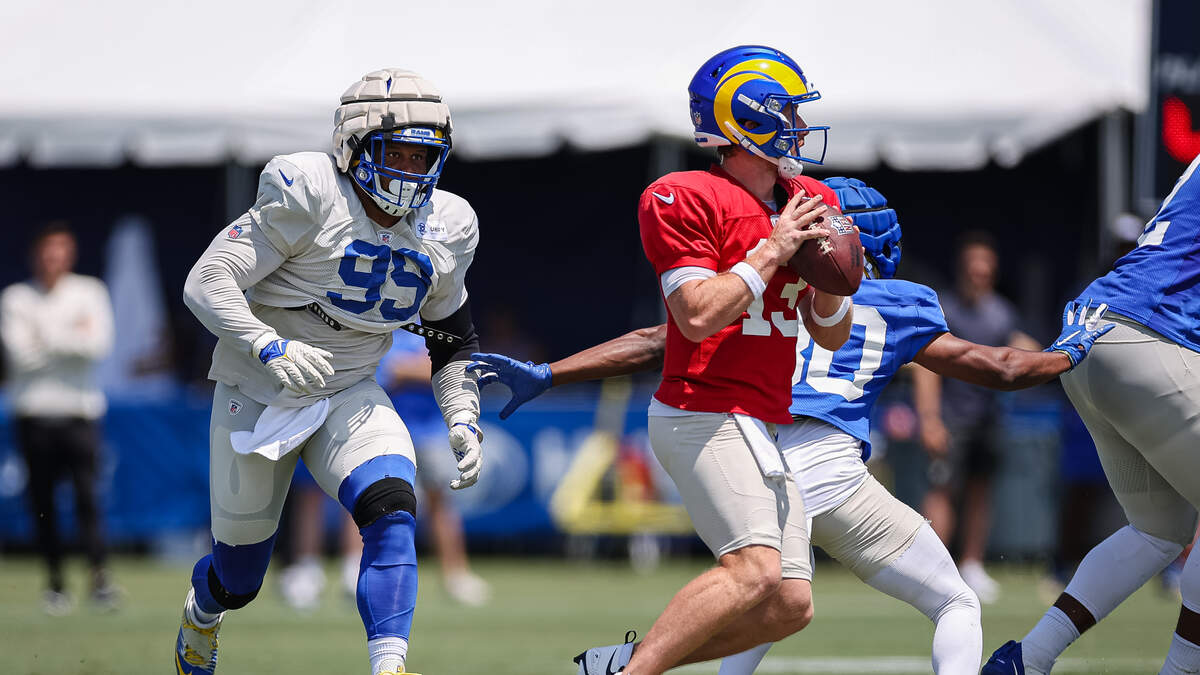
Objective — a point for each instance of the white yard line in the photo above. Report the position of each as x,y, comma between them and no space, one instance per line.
833,665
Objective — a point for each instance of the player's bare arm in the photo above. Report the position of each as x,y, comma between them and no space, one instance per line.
634,352
703,307
1003,368
1006,368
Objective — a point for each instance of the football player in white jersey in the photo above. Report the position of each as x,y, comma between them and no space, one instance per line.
303,292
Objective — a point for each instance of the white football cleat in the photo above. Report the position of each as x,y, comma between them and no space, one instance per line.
468,589
607,660
57,603
302,583
984,586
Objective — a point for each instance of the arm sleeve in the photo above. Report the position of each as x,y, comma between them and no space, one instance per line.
248,250
678,232
455,390
459,323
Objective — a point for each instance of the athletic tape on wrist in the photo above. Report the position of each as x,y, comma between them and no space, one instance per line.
753,279
833,319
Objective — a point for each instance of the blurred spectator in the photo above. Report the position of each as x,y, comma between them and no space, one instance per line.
302,582
503,334
404,375
960,421
55,327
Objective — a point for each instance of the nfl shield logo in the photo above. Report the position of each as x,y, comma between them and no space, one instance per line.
235,406
385,238
234,232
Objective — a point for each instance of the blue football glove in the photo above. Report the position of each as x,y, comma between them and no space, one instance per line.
1079,330
526,380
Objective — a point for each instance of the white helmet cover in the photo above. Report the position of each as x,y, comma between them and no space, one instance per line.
391,100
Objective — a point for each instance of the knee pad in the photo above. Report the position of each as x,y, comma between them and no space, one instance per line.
383,497
231,576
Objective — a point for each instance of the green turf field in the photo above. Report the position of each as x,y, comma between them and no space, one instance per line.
543,613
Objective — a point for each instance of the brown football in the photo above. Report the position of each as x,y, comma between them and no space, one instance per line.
834,263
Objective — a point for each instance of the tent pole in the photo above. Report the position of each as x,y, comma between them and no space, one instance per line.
239,191
1113,180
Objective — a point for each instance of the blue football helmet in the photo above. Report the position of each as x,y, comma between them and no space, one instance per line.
878,226
749,96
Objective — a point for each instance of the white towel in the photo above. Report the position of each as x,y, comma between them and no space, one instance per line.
279,431
762,444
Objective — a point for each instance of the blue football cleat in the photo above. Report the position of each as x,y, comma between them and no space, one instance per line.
1006,660
196,646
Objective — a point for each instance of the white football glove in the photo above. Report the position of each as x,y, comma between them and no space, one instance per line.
295,365
464,443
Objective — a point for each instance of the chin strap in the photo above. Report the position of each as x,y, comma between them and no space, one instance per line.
789,168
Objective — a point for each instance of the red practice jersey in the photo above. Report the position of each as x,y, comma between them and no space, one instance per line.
708,219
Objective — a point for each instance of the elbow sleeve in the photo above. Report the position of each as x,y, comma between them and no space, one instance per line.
459,323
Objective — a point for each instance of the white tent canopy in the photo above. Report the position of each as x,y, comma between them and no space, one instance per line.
917,84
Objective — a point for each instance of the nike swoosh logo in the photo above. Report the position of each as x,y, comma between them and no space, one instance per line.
1064,340
608,670
287,180
668,199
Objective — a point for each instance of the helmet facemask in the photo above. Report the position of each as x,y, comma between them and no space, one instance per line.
773,129
393,189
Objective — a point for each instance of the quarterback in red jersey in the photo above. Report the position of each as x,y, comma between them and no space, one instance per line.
720,242
698,223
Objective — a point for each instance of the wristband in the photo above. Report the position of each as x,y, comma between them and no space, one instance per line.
753,279
832,320
474,429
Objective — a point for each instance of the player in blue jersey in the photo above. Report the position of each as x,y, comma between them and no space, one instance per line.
1139,396
853,517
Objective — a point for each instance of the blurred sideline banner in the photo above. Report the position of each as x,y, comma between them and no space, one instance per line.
155,471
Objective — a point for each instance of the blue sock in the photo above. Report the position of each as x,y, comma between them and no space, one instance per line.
387,576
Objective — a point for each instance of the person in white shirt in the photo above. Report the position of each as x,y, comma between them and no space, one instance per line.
56,327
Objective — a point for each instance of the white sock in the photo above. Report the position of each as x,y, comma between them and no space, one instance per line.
1182,657
1109,573
1117,567
744,663
387,654
201,618
1052,634
925,577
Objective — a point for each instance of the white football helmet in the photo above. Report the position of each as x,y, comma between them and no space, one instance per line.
391,106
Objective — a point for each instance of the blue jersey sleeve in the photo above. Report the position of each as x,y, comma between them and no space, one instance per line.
928,321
